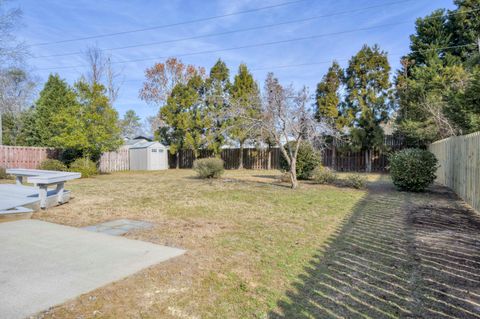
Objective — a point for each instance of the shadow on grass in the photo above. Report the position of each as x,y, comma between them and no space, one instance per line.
398,256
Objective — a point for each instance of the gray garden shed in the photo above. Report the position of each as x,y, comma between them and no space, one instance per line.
150,156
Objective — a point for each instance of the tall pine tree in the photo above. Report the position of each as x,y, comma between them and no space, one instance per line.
217,99
56,98
246,95
368,98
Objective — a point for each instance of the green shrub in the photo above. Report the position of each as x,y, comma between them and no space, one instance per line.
307,160
323,175
356,181
85,166
413,169
208,167
53,165
3,173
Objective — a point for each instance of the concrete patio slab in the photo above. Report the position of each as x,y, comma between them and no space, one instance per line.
44,264
119,227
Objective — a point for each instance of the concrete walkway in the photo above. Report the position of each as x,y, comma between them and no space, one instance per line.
44,264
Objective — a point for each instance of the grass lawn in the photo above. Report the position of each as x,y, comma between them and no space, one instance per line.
257,249
247,238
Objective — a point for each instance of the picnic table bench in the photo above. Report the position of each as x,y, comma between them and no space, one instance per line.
44,179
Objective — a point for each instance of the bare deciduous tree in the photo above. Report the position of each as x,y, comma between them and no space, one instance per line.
434,105
15,86
114,80
12,51
287,119
96,62
101,71
16,90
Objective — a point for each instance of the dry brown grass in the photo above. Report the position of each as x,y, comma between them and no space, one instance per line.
257,249
247,235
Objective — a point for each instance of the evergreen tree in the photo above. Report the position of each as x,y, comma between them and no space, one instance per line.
431,86
84,120
19,128
464,25
56,98
431,37
183,114
245,94
99,119
327,97
217,98
368,98
198,118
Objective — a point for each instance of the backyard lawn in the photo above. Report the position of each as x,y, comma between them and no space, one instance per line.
257,249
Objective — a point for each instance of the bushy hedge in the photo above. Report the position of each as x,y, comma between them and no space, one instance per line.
356,181
209,167
53,165
307,160
3,173
85,166
413,169
323,175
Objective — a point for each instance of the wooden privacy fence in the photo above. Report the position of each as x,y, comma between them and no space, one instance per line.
115,161
459,159
24,157
354,161
252,158
259,159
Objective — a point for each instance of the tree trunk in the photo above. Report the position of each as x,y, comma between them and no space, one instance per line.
293,174
1,130
269,158
177,159
240,159
334,156
368,161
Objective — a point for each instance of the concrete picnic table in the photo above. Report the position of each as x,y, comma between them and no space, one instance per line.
43,179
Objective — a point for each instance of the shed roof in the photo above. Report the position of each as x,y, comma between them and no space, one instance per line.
147,144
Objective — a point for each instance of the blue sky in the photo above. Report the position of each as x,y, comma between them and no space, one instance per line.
50,21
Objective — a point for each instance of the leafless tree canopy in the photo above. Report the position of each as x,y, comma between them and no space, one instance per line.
16,86
17,90
435,106
287,119
101,71
12,51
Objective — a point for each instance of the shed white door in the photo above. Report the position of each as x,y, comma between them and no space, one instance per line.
157,158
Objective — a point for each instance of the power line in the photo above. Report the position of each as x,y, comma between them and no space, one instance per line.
234,31
285,66
250,29
104,35
346,59
255,45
